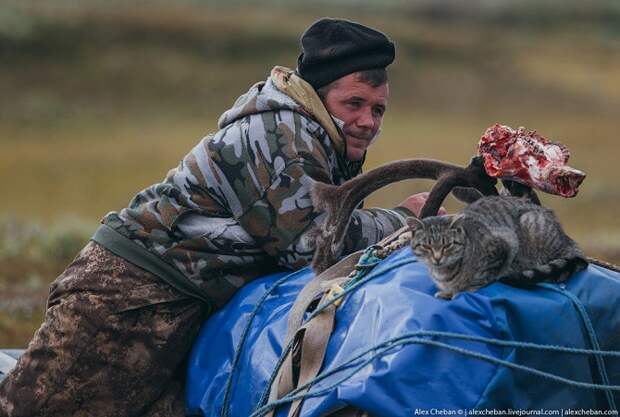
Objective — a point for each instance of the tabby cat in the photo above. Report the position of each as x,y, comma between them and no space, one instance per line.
494,238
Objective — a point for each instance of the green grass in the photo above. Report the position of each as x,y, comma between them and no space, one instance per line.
100,102
31,255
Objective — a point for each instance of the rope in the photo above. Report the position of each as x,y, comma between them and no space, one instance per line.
265,395
358,283
600,363
516,343
383,348
362,274
229,382
369,259
320,308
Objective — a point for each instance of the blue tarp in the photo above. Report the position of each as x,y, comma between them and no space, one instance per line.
418,378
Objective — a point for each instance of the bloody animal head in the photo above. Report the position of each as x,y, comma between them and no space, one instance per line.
530,159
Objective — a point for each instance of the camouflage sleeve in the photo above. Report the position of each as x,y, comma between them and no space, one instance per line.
282,221
269,194
368,226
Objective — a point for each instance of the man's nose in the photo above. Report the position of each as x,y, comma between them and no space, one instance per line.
365,119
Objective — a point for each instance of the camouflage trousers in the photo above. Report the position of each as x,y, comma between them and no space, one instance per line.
114,343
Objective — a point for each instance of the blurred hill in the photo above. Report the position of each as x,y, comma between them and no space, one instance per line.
93,59
100,98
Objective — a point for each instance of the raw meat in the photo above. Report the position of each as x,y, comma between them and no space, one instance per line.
530,159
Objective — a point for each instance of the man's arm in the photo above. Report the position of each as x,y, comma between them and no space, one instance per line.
282,221
267,164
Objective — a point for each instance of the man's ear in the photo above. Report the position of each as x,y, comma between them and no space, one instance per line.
456,221
414,223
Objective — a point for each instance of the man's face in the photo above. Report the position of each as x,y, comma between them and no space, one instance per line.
361,108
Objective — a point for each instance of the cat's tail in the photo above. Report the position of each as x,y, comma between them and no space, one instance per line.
604,264
557,270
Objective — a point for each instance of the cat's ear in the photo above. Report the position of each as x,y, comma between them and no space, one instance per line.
456,220
414,223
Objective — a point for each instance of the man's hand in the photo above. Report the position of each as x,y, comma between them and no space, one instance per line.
415,203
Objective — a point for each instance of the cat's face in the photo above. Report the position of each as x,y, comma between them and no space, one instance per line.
438,241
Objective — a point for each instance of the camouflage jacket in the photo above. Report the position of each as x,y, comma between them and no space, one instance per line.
238,204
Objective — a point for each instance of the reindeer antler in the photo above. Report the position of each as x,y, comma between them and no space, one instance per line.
340,201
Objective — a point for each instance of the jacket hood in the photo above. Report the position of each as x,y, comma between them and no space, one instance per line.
285,90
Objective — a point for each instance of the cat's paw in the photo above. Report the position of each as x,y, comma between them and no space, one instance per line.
444,295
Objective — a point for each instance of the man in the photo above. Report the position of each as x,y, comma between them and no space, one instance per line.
122,317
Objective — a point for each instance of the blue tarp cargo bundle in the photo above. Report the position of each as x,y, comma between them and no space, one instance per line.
398,351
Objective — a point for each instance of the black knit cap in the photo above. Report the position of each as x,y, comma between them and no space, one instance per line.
333,48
